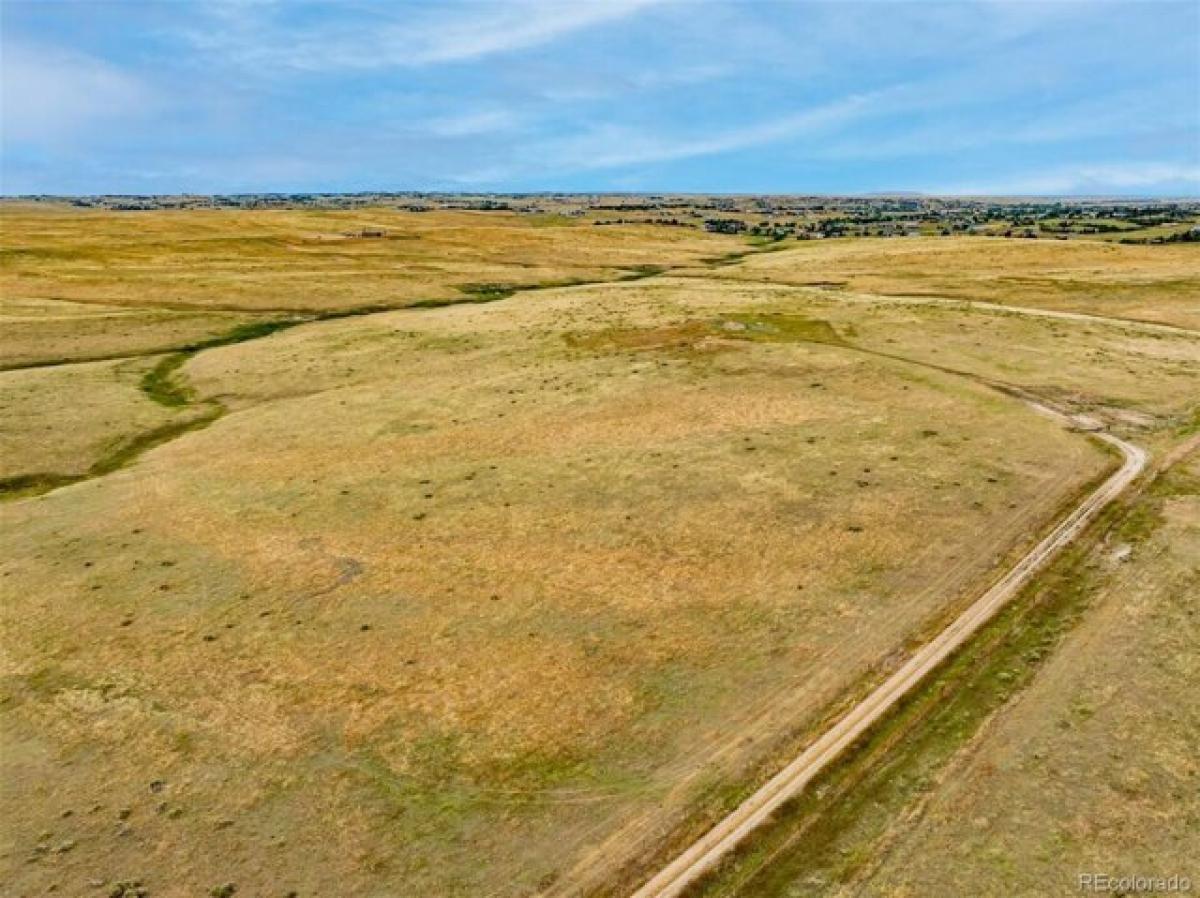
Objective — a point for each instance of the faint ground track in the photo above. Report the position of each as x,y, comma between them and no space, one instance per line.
706,852
607,856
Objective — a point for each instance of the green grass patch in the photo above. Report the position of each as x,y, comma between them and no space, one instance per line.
129,451
488,292
160,385
42,684
253,330
726,259
476,293
779,327
688,336
24,485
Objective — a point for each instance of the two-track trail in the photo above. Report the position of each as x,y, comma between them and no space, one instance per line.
710,848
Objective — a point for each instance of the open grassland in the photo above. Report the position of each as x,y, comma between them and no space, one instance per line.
942,761
62,421
1151,283
315,260
83,285
1132,374
1093,769
504,598
44,332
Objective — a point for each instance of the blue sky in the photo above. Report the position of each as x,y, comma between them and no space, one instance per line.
974,96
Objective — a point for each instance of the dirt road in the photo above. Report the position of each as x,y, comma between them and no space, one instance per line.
710,848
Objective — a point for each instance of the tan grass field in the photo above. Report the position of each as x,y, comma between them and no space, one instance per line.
492,599
63,420
1094,769
83,285
1151,283
313,260
40,332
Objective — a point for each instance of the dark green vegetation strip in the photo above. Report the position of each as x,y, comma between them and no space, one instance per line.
160,385
757,246
243,333
129,451
27,485
471,293
491,292
33,484
823,838
726,260
240,334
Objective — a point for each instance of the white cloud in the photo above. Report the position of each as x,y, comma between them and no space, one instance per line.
613,146
1126,113
512,27
48,94
250,36
488,175
610,146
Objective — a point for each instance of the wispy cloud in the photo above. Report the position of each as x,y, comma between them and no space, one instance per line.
611,146
253,35
602,94
573,86
1126,113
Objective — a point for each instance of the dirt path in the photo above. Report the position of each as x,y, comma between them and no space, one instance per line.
1033,311
705,853
843,294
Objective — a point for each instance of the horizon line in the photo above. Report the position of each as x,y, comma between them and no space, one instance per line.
875,194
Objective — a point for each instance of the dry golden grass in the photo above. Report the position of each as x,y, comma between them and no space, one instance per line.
674,562
1151,283
1121,372
1134,376
1094,768
60,421
304,260
48,332
488,598
79,285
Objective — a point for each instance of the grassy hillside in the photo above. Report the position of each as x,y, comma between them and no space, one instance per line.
496,597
